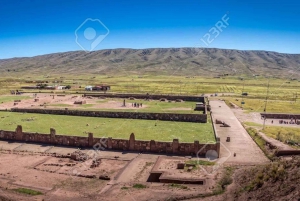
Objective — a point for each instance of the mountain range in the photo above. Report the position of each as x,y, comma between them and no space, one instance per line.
158,61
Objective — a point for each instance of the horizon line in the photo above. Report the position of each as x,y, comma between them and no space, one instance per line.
145,49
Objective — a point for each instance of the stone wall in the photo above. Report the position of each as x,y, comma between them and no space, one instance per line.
287,152
174,147
200,118
215,132
150,96
280,116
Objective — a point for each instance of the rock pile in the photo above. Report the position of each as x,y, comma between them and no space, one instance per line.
79,156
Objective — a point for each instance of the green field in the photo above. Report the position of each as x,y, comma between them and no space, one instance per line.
289,135
280,90
5,99
28,191
108,127
258,105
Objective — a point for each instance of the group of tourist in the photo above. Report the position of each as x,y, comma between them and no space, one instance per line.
137,105
292,121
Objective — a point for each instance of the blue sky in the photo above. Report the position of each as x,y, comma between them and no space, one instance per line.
35,27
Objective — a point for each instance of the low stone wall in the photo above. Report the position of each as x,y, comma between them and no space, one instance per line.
287,152
280,116
174,147
215,132
150,96
200,118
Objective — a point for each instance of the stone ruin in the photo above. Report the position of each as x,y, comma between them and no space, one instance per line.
96,163
219,121
131,144
163,176
224,124
180,166
163,100
80,102
201,107
104,177
199,118
79,156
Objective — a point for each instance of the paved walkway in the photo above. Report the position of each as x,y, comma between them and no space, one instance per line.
247,152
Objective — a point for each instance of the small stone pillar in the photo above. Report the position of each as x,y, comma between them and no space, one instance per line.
19,133
52,135
131,142
109,143
153,146
91,140
175,146
218,146
196,146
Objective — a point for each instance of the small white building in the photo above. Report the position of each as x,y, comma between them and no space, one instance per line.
61,87
89,88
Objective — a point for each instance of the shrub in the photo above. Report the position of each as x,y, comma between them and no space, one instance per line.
28,191
139,186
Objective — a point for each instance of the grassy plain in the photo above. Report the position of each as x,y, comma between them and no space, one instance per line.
5,98
285,134
283,92
288,135
108,127
283,97
258,105
280,89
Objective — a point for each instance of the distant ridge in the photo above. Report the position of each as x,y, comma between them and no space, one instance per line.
160,61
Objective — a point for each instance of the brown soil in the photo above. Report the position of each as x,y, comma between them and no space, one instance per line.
277,181
68,101
51,175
